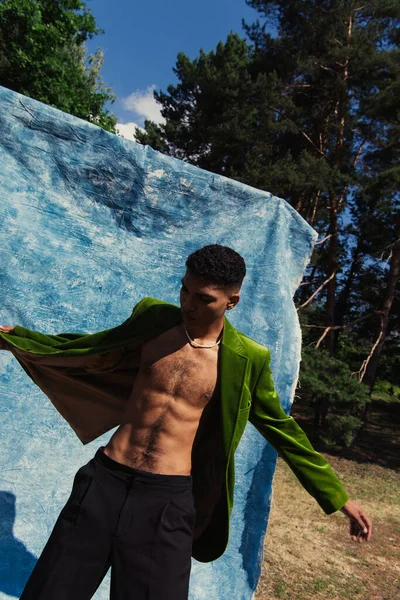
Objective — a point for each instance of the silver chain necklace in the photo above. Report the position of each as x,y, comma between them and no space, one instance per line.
196,345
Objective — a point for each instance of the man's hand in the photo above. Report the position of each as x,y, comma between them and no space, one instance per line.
360,524
7,328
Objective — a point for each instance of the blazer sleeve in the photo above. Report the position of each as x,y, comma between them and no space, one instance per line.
39,342
292,444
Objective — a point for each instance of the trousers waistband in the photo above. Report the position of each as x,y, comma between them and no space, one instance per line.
163,478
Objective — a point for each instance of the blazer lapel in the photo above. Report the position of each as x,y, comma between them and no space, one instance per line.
233,369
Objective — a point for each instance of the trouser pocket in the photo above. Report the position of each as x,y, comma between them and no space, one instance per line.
180,512
82,482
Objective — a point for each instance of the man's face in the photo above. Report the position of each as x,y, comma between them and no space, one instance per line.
201,302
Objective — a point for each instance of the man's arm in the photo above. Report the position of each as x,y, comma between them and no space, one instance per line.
310,467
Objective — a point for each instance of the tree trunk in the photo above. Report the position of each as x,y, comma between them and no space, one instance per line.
331,287
393,278
340,112
341,306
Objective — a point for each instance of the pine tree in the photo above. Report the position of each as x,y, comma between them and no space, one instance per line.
311,116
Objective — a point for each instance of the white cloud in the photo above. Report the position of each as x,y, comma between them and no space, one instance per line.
142,103
127,130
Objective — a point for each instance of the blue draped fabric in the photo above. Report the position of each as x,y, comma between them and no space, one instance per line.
90,223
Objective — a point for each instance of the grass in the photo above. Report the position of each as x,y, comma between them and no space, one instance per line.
385,391
309,555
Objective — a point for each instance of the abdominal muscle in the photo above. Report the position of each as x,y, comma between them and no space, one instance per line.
162,416
158,436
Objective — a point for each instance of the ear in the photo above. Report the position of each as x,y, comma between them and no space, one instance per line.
233,300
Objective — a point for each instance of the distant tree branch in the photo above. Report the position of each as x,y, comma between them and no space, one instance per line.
303,133
310,299
324,240
361,372
333,327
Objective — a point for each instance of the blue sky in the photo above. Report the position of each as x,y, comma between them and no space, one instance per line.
142,40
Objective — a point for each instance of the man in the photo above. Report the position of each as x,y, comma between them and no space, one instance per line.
158,486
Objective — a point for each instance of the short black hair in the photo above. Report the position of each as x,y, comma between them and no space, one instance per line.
220,265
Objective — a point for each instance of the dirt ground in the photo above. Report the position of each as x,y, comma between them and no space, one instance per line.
309,555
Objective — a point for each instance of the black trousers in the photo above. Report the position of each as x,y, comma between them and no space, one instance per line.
138,523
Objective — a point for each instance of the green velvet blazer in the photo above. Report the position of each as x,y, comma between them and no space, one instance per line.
89,378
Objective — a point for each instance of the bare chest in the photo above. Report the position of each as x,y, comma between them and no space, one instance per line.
180,371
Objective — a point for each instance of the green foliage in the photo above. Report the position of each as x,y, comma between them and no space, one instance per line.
386,391
326,378
338,398
208,112
42,55
340,431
